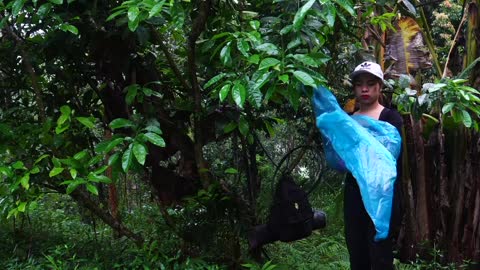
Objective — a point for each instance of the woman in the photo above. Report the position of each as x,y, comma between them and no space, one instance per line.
365,253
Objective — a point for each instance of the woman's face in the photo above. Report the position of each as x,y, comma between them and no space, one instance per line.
367,89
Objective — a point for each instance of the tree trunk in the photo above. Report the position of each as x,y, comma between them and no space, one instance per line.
421,196
470,192
197,29
406,240
112,188
476,225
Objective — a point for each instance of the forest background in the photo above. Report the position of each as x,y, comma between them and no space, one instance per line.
145,134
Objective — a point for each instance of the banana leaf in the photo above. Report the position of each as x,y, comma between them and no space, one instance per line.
406,52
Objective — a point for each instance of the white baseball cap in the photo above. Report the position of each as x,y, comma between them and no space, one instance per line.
368,67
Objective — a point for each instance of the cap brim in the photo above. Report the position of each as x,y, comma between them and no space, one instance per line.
358,72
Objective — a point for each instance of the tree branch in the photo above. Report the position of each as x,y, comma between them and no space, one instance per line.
159,41
30,71
454,44
84,199
197,28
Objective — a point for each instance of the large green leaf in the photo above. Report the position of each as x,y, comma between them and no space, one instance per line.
304,78
306,60
239,93
154,129
255,25
294,98
42,157
127,158
225,54
466,119
99,178
231,171
17,6
44,9
284,78
73,173
270,130
410,7
21,206
153,126
224,92
331,14
72,186
132,25
268,62
121,123
24,181
133,13
466,72
80,155
447,107
243,126
61,120
140,152
230,127
155,139
107,146
255,96
100,170
18,165
92,189
156,9
113,159
254,59
55,171
287,29
214,80
294,43
347,5
300,15
262,80
35,170
115,14
268,48
66,110
69,28
132,91
243,47
86,121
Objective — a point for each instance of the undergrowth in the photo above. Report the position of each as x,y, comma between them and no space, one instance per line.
59,235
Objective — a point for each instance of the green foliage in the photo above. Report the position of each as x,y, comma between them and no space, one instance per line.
457,102
445,21
45,242
140,10
267,266
384,21
435,262
86,84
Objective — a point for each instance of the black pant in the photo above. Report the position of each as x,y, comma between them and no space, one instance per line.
365,254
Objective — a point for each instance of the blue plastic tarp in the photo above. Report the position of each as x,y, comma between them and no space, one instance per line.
367,148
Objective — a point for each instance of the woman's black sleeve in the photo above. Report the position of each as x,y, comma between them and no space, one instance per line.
393,117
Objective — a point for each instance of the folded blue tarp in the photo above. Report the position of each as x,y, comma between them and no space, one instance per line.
366,147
